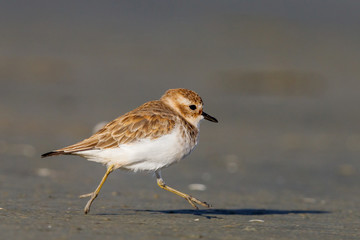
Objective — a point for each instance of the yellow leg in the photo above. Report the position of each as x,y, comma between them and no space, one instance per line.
189,198
94,194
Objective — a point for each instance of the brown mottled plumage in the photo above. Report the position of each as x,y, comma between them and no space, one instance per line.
151,120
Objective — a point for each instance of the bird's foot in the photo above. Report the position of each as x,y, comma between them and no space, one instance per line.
193,201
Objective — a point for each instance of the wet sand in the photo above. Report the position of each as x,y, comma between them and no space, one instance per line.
282,163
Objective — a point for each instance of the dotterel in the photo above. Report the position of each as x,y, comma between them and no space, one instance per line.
149,138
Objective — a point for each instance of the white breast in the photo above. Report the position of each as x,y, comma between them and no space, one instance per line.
145,155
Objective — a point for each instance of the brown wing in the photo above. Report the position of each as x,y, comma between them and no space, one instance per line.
151,120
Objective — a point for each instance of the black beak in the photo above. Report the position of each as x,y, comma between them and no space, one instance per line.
209,118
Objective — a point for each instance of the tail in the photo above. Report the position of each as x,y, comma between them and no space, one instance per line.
52,153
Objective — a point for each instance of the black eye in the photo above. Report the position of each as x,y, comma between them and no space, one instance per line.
192,107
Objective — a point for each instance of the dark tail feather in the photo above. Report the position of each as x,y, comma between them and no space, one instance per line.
53,153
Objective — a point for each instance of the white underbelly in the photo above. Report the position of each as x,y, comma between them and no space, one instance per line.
145,155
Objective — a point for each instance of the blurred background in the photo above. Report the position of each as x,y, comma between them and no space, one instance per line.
282,77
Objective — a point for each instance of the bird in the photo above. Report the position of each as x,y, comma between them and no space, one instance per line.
149,138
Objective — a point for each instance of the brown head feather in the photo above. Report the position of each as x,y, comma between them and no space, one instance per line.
181,99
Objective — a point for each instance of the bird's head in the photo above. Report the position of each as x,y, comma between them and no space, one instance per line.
188,104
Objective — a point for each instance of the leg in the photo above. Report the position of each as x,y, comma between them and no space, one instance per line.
189,198
94,194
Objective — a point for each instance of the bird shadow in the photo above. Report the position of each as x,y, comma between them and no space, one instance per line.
218,212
